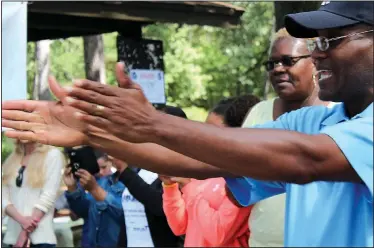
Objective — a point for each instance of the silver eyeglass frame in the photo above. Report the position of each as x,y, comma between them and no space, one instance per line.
312,44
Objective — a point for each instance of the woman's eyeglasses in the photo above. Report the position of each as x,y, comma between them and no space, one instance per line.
323,43
19,178
284,60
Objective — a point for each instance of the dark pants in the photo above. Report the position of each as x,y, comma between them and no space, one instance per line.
43,245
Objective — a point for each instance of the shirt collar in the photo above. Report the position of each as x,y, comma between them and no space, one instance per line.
368,112
113,178
339,115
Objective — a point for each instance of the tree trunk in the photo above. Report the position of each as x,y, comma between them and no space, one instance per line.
94,58
42,61
284,8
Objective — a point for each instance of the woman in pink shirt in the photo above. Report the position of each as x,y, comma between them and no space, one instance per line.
201,209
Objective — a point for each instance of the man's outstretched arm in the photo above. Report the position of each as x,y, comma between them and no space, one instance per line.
265,154
153,157
48,123
274,155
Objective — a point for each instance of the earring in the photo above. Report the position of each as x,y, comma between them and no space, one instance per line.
314,79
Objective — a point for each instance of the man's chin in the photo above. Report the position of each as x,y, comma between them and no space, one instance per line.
289,96
327,96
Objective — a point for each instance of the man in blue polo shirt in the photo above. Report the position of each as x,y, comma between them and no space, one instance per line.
322,157
330,213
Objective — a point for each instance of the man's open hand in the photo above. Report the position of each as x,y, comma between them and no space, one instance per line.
46,122
124,112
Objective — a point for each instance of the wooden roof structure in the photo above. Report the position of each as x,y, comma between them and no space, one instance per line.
57,19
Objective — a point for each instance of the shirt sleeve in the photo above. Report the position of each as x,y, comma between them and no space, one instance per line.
248,191
112,202
78,202
224,223
175,209
61,202
355,140
54,165
148,195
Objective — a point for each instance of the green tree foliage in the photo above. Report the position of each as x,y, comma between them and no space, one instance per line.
6,147
204,64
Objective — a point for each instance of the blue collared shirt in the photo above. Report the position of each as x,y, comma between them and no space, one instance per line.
324,213
104,218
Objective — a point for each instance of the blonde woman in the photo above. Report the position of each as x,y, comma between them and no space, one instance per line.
31,179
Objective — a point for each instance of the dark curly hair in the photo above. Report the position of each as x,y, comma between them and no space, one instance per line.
238,109
221,107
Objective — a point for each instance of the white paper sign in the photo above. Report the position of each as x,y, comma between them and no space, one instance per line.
137,226
152,83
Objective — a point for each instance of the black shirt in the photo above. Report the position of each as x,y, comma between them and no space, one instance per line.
151,197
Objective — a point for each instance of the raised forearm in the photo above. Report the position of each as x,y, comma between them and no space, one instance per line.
153,157
98,193
78,202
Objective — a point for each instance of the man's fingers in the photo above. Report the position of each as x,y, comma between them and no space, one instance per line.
95,121
16,115
91,128
90,108
107,90
23,105
17,125
89,96
124,81
21,135
56,88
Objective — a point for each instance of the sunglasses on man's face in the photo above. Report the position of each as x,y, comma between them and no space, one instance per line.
284,60
19,178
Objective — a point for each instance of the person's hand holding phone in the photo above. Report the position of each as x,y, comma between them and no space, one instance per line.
86,180
69,179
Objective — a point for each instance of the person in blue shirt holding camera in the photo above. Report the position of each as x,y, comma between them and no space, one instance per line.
101,207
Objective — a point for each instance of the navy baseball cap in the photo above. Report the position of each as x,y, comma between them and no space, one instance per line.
330,15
